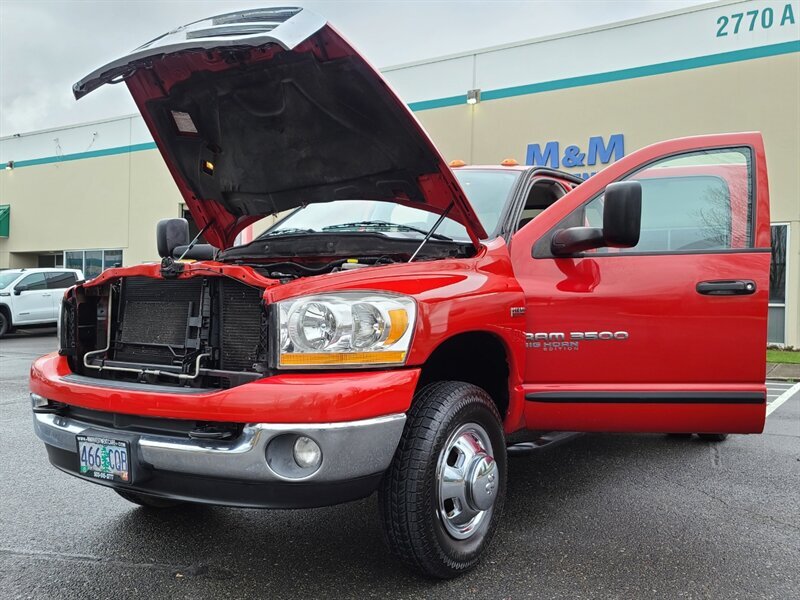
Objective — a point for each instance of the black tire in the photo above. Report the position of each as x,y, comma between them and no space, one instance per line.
409,497
147,500
5,326
713,437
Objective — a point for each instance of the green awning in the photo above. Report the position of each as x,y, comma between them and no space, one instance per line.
5,219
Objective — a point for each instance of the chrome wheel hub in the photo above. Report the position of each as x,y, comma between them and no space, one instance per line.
467,480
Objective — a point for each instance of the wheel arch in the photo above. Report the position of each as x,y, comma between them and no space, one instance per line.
479,357
6,310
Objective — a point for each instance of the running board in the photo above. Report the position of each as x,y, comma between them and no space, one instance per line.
546,441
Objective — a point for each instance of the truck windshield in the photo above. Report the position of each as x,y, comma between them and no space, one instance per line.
488,192
7,278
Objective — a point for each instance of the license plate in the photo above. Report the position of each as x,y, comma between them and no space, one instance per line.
104,458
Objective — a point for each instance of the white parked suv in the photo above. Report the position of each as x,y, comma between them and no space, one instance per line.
33,296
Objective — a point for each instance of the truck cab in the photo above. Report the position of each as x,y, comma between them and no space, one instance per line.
407,320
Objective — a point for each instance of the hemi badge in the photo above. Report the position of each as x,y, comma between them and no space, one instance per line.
517,311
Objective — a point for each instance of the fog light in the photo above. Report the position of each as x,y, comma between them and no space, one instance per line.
307,453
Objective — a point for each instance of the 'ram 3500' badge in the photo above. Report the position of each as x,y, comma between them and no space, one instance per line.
569,341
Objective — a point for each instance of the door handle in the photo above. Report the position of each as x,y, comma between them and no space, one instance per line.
738,287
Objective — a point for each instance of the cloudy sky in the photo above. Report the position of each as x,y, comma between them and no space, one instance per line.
45,46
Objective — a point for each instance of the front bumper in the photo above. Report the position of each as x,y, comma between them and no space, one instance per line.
236,473
313,397
355,417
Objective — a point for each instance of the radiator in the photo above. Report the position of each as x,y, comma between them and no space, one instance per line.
243,326
169,322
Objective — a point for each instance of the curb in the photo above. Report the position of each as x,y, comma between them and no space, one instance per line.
783,372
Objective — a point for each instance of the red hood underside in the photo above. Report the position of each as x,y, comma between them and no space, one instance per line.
263,124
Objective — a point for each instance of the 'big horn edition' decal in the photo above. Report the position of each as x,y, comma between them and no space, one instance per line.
556,341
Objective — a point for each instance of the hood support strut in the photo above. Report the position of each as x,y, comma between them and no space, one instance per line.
431,232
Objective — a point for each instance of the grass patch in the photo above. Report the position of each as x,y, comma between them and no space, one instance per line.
783,356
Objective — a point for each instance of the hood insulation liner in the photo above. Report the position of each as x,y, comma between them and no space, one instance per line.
277,134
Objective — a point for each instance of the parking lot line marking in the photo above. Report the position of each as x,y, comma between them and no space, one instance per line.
773,406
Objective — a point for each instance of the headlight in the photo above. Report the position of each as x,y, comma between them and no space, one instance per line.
353,329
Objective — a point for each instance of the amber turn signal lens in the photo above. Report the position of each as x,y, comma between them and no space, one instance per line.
399,324
457,163
509,162
341,358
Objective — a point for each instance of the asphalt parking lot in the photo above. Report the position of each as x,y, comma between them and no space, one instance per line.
605,516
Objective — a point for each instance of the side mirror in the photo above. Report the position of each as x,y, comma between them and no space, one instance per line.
171,233
622,223
19,289
622,214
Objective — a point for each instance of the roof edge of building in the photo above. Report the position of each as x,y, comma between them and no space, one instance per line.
22,134
563,35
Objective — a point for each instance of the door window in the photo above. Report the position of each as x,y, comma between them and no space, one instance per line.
777,285
700,201
60,281
542,194
34,281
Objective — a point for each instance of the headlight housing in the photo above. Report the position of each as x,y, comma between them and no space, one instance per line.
345,329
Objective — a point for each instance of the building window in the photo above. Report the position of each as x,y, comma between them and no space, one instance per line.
112,258
51,260
92,262
776,322
73,260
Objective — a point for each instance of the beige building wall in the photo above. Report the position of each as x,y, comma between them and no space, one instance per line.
105,202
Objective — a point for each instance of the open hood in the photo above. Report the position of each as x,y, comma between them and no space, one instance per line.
260,111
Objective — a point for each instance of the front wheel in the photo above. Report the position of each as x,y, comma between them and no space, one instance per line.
443,494
4,324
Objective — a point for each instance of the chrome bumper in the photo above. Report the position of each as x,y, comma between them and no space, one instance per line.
349,450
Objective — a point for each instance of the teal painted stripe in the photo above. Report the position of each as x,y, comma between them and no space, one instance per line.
438,103
622,74
520,90
81,155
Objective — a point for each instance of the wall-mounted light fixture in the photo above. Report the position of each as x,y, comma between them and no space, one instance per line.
9,165
473,96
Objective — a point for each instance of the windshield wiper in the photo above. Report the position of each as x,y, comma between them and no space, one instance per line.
385,225
286,231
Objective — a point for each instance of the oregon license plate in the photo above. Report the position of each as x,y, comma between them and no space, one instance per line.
104,458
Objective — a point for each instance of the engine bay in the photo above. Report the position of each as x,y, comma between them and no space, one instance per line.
290,257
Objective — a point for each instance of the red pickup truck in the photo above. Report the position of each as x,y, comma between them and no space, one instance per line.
407,321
